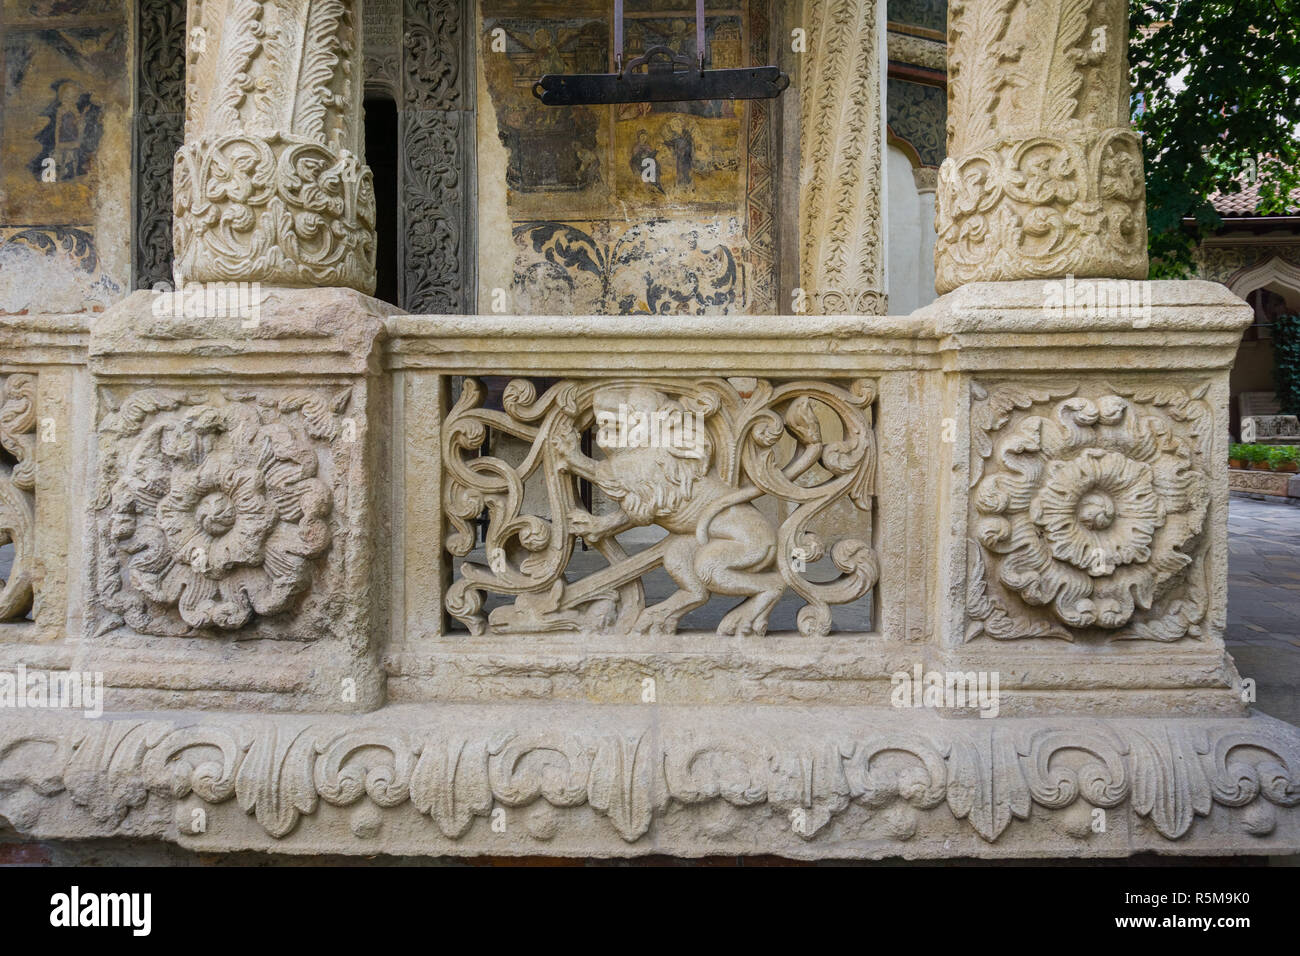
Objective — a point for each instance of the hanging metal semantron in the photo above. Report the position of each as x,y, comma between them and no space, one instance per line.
668,76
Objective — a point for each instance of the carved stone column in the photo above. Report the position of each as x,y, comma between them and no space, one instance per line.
841,252
271,184
1044,175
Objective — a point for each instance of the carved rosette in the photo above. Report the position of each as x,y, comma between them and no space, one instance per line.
274,209
691,457
214,510
1089,514
271,184
1043,176
17,487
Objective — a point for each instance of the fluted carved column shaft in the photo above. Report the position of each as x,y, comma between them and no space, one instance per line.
271,184
1044,174
841,250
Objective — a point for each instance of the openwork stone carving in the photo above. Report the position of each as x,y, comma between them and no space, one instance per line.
217,509
17,487
688,456
1092,509
271,183
1043,176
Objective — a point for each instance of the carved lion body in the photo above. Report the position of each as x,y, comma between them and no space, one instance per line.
718,542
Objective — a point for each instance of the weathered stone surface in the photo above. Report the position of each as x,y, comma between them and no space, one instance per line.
1043,176
1091,503
1260,482
945,584
626,781
241,508
40,471
271,184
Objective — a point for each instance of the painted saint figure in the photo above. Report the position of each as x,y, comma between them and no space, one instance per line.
645,160
71,135
678,138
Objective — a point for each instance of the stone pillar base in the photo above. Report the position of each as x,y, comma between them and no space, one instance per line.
229,544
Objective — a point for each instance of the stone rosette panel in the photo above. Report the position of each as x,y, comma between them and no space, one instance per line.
218,510
1088,512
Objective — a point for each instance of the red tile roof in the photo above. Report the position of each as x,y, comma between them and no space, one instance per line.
1245,203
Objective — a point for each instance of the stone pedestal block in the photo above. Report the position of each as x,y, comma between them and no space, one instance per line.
1084,526
231,537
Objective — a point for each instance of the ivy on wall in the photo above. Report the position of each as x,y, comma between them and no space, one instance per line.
1286,359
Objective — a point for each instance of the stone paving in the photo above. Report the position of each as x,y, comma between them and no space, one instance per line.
1264,601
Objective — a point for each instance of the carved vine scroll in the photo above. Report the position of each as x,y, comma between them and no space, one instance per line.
17,487
690,456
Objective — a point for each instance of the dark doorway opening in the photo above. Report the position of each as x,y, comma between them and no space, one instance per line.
382,157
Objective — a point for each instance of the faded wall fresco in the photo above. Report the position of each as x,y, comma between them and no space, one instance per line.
928,14
64,155
635,208
918,115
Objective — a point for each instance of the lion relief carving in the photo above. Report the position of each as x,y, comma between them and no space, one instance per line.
688,456
718,543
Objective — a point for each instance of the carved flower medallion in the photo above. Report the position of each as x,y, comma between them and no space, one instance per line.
1094,512
1098,511
219,511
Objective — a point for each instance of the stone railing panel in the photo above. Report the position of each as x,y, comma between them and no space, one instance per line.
41,379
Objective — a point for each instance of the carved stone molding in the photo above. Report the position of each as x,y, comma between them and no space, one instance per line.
433,52
1089,506
213,508
271,185
435,178
382,39
159,132
433,212
1262,482
17,491
841,249
803,783
693,458
922,51
1043,176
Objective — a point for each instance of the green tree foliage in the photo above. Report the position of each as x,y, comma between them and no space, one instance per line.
1217,89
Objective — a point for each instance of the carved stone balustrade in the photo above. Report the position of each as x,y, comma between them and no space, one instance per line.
355,581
